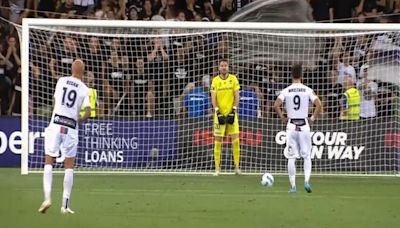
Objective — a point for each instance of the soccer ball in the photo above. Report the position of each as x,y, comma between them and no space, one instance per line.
267,180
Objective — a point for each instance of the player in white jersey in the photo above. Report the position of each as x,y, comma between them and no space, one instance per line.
297,98
62,132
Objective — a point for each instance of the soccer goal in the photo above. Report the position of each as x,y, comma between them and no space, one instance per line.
152,112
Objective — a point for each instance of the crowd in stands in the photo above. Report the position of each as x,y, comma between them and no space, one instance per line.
172,76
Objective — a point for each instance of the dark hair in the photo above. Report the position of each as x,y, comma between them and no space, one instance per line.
223,60
297,71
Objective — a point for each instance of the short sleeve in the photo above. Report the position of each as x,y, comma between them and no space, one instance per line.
57,89
281,96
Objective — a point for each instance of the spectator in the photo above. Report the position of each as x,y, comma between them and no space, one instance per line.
342,10
344,70
181,72
133,13
350,107
116,79
60,63
47,7
386,102
5,84
190,9
209,10
197,101
181,16
137,3
13,55
15,103
368,90
43,84
274,86
103,9
333,100
147,12
143,90
371,8
169,12
360,50
321,9
249,102
157,60
84,7
226,9
67,7
16,8
95,64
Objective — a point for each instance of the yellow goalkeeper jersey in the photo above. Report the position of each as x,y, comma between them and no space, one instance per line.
225,92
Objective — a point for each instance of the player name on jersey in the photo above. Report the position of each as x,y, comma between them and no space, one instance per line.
297,90
72,83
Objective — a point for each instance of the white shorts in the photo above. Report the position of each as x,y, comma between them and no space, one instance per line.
298,141
59,138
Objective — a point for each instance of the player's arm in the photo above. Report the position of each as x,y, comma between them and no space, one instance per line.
278,108
214,100
86,115
214,95
317,110
87,109
237,99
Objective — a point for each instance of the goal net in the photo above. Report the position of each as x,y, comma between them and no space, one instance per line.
151,84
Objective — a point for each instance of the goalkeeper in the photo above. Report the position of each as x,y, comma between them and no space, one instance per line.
225,100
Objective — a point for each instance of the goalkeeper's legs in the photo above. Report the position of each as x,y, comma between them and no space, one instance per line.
236,152
68,182
217,154
47,184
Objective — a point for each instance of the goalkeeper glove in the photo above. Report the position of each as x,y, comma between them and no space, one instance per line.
231,116
221,118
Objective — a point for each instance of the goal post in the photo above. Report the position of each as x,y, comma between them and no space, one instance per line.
152,82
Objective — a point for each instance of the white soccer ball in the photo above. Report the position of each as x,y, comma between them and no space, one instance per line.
267,180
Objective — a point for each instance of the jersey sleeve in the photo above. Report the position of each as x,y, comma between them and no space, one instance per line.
57,87
281,95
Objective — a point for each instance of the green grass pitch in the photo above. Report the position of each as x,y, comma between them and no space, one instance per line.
117,201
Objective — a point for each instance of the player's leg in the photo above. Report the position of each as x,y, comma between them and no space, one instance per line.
219,132
51,145
233,131
47,184
292,154
68,182
69,148
305,152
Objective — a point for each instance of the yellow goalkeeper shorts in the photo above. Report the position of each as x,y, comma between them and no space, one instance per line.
226,129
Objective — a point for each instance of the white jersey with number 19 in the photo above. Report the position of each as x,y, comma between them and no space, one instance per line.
297,98
69,95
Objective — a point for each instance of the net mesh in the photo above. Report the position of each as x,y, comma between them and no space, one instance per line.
153,111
